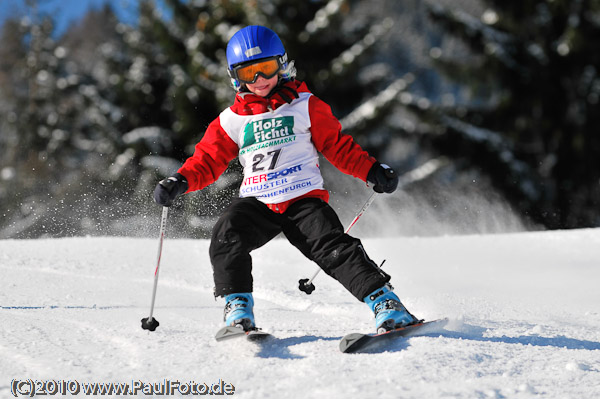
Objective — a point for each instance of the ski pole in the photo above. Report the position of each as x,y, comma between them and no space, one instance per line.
419,173
150,323
306,285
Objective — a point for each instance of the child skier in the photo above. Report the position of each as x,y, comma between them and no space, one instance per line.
275,127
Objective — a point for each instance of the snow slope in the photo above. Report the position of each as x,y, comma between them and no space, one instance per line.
524,309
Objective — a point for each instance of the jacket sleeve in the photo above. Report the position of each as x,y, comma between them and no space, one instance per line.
211,157
340,149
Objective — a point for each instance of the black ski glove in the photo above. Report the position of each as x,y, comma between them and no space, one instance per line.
170,188
383,178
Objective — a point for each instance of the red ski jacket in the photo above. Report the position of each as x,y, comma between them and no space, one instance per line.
216,149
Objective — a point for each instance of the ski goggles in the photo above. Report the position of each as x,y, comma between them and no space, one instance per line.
249,73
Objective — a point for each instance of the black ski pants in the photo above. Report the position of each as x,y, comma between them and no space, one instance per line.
310,224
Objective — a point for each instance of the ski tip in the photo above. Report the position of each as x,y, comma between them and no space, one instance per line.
229,332
350,342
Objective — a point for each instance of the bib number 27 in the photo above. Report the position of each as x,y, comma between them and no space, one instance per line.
259,160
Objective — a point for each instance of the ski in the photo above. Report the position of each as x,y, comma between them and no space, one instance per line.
229,332
357,342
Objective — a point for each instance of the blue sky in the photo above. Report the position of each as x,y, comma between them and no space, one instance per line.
66,12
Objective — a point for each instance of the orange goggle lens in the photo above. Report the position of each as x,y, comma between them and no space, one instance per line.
249,73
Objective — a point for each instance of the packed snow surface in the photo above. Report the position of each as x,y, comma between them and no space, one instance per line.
524,310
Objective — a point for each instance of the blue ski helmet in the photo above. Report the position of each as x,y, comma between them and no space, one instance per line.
253,43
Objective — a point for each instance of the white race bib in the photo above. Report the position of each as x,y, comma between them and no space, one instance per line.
276,151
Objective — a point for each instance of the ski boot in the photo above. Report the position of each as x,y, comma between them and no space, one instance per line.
390,313
238,311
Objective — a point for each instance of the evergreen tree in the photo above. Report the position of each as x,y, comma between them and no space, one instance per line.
33,122
533,114
61,138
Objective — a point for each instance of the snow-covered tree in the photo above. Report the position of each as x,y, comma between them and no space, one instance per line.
533,112
59,132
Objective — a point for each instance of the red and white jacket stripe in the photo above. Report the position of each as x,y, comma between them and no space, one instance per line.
219,146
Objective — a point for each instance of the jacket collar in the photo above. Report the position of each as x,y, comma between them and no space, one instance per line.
247,103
